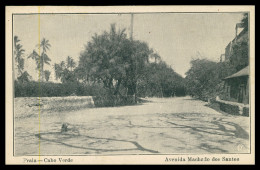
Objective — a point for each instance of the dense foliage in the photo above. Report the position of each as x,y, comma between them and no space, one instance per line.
64,71
114,60
110,65
204,78
122,66
49,89
161,81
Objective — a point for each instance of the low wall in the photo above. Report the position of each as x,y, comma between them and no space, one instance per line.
233,107
110,101
26,106
246,111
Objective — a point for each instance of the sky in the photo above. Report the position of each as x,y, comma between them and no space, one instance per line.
176,37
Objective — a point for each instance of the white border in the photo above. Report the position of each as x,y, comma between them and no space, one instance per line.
133,159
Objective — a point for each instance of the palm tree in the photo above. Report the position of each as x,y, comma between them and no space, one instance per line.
58,71
18,53
62,65
70,63
24,77
47,74
45,45
43,58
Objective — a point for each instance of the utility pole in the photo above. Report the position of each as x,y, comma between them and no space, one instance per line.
131,37
132,26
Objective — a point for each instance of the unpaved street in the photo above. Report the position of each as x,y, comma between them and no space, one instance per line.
161,126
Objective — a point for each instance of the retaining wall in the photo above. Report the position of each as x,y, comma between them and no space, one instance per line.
233,107
26,106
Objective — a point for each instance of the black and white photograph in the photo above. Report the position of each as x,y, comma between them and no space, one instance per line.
176,84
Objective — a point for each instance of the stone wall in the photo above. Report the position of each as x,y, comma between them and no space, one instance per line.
233,107
26,106
245,111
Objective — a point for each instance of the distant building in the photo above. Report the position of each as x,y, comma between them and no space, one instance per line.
241,36
237,86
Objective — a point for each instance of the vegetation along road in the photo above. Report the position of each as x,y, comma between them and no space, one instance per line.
163,125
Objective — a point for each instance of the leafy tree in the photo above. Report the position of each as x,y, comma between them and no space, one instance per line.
68,76
199,77
204,78
160,80
122,66
114,60
18,53
63,73
139,59
42,58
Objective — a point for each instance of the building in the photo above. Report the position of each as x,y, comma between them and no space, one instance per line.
240,36
237,86
235,99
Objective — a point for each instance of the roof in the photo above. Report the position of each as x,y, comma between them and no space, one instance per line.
243,72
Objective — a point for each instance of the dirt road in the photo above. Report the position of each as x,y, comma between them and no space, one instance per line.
161,126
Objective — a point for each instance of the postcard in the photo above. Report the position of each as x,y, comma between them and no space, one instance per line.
130,85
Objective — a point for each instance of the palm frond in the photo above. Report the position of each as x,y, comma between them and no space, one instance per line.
33,55
16,40
46,58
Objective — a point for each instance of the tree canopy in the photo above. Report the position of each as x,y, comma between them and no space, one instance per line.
204,78
111,64
122,65
114,60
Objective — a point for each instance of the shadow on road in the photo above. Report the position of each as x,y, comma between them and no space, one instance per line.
61,137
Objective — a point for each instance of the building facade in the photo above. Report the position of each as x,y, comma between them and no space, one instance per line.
237,86
241,36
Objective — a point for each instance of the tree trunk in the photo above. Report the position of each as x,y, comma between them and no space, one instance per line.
131,88
117,87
